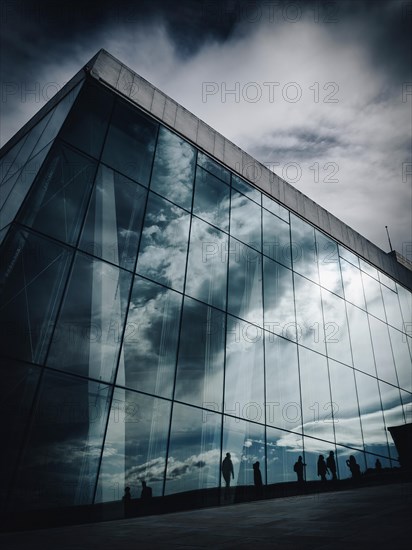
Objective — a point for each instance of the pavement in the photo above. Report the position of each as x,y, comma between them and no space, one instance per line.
361,518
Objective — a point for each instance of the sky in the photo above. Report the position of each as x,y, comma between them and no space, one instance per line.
320,92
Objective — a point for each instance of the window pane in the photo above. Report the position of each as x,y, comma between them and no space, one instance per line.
87,336
405,300
328,261
360,340
211,201
244,375
276,239
200,366
309,317
304,249
163,248
87,123
283,407
392,412
349,256
278,299
213,167
246,189
58,199
383,353
283,449
402,358
368,268
114,219
245,220
194,452
60,463
392,308
373,296
130,143
352,282
149,351
35,271
245,283
316,398
314,448
336,328
135,446
275,208
207,264
174,169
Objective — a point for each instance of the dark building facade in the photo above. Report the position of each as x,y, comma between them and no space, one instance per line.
166,299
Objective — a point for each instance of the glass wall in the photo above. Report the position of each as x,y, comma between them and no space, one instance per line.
161,312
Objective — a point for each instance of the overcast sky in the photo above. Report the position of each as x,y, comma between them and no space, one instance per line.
320,92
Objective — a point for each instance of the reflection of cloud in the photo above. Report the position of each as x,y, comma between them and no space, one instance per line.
178,468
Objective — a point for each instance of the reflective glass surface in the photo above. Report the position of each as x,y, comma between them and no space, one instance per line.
276,239
213,167
385,366
245,220
304,249
211,200
328,262
243,187
336,328
282,449
275,208
279,310
352,283
373,296
361,343
309,318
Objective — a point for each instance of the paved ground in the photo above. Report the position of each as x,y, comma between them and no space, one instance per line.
357,519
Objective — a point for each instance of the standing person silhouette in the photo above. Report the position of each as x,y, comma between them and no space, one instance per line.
298,468
353,467
322,468
257,479
227,471
331,465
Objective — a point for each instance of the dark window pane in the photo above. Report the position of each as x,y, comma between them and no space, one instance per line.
360,340
276,239
58,199
328,262
135,446
87,336
246,189
278,299
130,143
213,167
283,449
245,220
201,356
385,366
34,274
114,219
336,328
149,351
304,249
174,169
63,451
211,201
163,248
207,264
309,317
86,126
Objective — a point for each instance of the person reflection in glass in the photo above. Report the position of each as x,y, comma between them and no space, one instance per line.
331,465
298,468
257,478
322,468
353,467
127,500
227,471
146,493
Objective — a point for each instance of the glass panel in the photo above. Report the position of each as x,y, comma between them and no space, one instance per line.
405,300
278,299
86,126
244,375
336,328
58,199
317,405
199,379
194,451
373,296
246,189
402,358
283,407
174,169
15,188
130,143
63,451
392,308
383,354
211,201
309,319
135,446
343,457
368,268
207,264
7,160
114,220
245,283
361,343
276,239
313,449
59,114
345,406
304,249
349,256
245,442
213,167
87,336
283,449
384,279
245,220
35,271
328,262
163,248
392,412
149,351
373,428
275,208
18,386
352,282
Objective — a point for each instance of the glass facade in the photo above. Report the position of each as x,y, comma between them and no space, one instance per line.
159,312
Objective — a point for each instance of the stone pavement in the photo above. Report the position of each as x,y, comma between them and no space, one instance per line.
362,518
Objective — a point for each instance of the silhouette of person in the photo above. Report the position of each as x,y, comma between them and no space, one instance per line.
378,465
146,493
227,471
322,468
127,500
298,468
257,479
331,465
353,467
